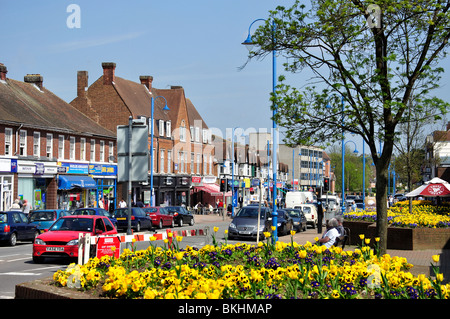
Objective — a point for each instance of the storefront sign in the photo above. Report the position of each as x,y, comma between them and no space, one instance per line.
8,165
108,246
102,170
197,181
75,168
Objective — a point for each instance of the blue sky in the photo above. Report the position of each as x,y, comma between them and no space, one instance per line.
195,44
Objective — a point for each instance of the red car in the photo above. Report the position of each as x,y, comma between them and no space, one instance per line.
160,216
61,240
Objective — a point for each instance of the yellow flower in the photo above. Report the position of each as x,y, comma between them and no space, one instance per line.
226,231
316,238
292,232
377,239
439,277
169,235
152,238
335,294
266,234
216,229
367,241
179,239
435,258
361,236
273,228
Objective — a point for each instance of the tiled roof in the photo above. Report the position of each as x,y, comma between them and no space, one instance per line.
25,103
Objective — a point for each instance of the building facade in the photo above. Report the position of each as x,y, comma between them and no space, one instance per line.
182,148
50,154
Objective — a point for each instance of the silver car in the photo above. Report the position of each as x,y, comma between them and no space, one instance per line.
245,223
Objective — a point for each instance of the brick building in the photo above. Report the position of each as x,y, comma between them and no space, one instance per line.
182,146
50,153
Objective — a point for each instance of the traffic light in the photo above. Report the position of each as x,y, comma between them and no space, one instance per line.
326,184
224,185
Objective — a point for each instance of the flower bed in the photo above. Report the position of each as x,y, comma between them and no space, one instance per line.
264,271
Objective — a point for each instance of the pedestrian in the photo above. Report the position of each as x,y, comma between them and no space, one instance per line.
340,227
26,207
122,204
329,238
319,216
15,205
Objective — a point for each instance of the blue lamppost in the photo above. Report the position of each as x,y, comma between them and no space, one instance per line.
233,202
166,108
249,41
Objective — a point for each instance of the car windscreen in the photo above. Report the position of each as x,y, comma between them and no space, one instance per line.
293,213
249,213
41,216
73,224
306,209
150,210
121,212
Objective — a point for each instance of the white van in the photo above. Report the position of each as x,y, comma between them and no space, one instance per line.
298,198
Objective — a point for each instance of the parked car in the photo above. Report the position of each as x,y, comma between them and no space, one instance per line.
284,223
245,223
44,218
310,212
298,218
160,216
95,211
14,226
61,240
139,219
181,215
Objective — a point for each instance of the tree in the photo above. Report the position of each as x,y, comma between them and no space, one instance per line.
367,60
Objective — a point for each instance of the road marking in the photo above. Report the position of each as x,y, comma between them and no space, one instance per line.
12,260
20,274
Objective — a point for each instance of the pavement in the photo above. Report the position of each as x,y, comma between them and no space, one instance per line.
420,259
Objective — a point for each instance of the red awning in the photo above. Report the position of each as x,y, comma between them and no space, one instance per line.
212,189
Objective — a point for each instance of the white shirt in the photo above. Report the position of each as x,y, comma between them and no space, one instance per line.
122,204
332,234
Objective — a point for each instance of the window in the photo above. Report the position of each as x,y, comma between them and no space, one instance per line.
182,132
198,164
169,161
192,134
205,136
197,134
153,159
49,146
72,148
161,128
111,152
82,149
161,165
210,164
8,141
205,163
61,146
23,143
36,144
102,151
92,158
169,129
192,163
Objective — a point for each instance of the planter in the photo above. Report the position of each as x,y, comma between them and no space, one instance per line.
402,238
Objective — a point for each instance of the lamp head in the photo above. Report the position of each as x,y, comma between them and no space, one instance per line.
249,44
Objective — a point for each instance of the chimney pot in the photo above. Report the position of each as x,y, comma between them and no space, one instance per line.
108,72
3,72
36,79
147,80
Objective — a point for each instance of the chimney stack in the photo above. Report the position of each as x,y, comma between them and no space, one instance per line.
82,83
147,80
36,79
108,72
3,72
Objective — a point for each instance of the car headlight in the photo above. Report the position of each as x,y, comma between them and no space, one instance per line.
279,224
232,226
72,242
39,241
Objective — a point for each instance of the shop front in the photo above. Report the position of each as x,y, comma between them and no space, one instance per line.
75,187
8,167
36,183
169,190
105,176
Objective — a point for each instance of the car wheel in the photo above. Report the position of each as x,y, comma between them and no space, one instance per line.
180,223
138,227
160,224
13,239
173,223
36,233
192,221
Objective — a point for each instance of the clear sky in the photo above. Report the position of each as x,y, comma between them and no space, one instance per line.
195,44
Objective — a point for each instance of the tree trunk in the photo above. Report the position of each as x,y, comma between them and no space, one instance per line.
381,198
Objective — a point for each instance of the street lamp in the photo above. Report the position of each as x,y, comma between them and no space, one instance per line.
249,42
166,108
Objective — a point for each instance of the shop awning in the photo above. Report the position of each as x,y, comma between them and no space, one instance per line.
72,181
212,189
